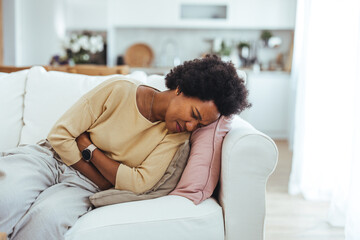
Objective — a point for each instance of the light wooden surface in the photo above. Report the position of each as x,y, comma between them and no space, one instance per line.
291,217
80,69
289,59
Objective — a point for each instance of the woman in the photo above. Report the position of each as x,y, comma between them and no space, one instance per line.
120,134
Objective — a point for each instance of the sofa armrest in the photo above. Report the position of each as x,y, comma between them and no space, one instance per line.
248,159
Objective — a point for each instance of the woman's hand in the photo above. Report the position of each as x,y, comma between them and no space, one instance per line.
83,141
101,169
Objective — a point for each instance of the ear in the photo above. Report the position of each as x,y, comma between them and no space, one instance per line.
177,90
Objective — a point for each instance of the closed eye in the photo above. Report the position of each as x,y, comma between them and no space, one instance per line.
197,118
198,114
193,114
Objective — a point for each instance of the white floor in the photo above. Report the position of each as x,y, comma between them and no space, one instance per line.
291,217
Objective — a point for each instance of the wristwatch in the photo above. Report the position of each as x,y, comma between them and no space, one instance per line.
87,152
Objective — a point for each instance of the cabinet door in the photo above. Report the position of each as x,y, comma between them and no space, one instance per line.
204,13
263,14
268,93
143,13
86,14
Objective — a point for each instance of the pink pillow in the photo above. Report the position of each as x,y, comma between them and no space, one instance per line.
202,171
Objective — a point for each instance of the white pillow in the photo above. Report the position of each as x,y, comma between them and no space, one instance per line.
157,81
12,87
138,75
50,94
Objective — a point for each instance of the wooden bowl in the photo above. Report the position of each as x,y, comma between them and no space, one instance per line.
139,55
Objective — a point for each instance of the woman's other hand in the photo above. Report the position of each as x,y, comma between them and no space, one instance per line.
83,141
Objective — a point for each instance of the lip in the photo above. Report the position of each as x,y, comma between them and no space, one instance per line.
178,127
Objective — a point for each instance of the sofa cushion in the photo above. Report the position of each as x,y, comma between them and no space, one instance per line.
168,217
12,88
165,185
202,171
157,81
49,94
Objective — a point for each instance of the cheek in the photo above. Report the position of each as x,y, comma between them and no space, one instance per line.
170,124
169,114
173,111
169,117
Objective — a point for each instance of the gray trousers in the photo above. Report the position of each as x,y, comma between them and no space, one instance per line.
40,197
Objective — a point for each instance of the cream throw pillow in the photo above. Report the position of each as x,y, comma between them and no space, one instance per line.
165,185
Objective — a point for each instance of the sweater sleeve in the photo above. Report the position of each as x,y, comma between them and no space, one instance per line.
143,177
79,118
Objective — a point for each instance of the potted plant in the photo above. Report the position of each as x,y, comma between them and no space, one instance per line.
265,36
80,47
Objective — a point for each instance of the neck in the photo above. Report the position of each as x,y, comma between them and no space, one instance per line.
161,104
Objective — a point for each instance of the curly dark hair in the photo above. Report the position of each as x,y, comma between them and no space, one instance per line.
210,78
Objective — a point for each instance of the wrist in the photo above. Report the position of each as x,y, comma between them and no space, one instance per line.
82,147
83,143
87,153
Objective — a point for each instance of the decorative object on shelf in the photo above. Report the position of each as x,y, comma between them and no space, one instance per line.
170,53
268,56
225,49
265,36
235,56
274,42
247,53
120,60
82,48
221,48
58,60
139,55
269,40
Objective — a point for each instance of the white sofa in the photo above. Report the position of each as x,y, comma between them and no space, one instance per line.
32,100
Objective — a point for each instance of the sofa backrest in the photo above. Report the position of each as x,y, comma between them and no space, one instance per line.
12,87
49,94
32,100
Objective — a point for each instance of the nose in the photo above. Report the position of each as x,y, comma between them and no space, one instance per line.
191,126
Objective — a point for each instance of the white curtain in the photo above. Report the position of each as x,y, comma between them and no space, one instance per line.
326,134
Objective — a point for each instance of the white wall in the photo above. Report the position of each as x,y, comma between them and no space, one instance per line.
40,26
32,31
86,14
269,96
8,15
34,28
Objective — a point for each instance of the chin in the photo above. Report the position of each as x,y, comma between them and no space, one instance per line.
168,127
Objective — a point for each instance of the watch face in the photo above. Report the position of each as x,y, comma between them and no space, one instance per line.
86,154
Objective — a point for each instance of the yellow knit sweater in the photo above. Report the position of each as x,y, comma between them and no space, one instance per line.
110,114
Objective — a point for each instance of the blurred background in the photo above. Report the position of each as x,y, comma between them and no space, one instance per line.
301,59
171,32
154,36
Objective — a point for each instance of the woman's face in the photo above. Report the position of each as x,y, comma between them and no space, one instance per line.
186,114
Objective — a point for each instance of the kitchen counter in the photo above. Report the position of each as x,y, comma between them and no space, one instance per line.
166,70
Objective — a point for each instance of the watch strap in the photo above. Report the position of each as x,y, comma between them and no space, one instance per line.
91,147
88,152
